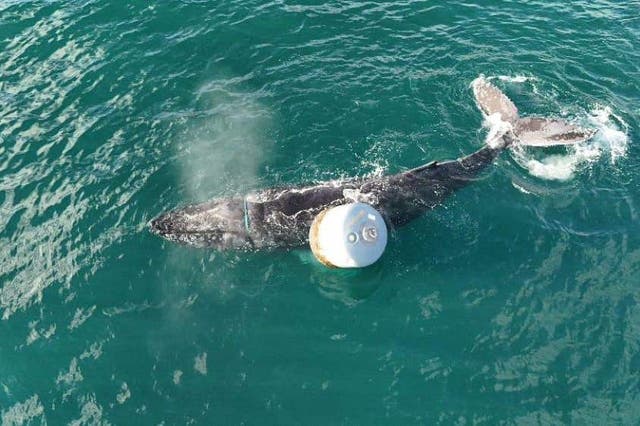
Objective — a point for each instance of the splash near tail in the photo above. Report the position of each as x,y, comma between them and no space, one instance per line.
510,128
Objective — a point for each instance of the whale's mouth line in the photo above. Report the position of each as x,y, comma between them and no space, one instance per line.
217,233
157,231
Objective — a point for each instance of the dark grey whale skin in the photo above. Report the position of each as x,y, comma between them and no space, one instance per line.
282,217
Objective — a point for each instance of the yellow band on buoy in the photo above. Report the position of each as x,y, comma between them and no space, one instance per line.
313,239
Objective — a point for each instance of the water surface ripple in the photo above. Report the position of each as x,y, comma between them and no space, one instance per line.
516,302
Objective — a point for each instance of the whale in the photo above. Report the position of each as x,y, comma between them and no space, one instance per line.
281,217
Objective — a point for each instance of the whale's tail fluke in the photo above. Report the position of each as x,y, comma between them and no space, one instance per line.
529,131
536,131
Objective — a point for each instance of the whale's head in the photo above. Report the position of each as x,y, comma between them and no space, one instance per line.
218,224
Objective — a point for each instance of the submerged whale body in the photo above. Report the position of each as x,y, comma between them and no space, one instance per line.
282,217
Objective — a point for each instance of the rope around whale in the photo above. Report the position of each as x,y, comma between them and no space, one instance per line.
246,214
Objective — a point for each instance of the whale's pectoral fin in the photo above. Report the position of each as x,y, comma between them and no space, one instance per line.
492,101
536,131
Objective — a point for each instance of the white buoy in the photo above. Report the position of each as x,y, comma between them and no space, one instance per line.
348,236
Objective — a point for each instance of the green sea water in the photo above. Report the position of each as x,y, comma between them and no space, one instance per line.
515,302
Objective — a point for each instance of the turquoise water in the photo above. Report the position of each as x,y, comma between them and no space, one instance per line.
515,302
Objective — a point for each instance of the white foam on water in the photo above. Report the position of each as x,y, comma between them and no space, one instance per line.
518,79
24,412
521,188
497,129
515,78
558,167
613,132
610,140
200,363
